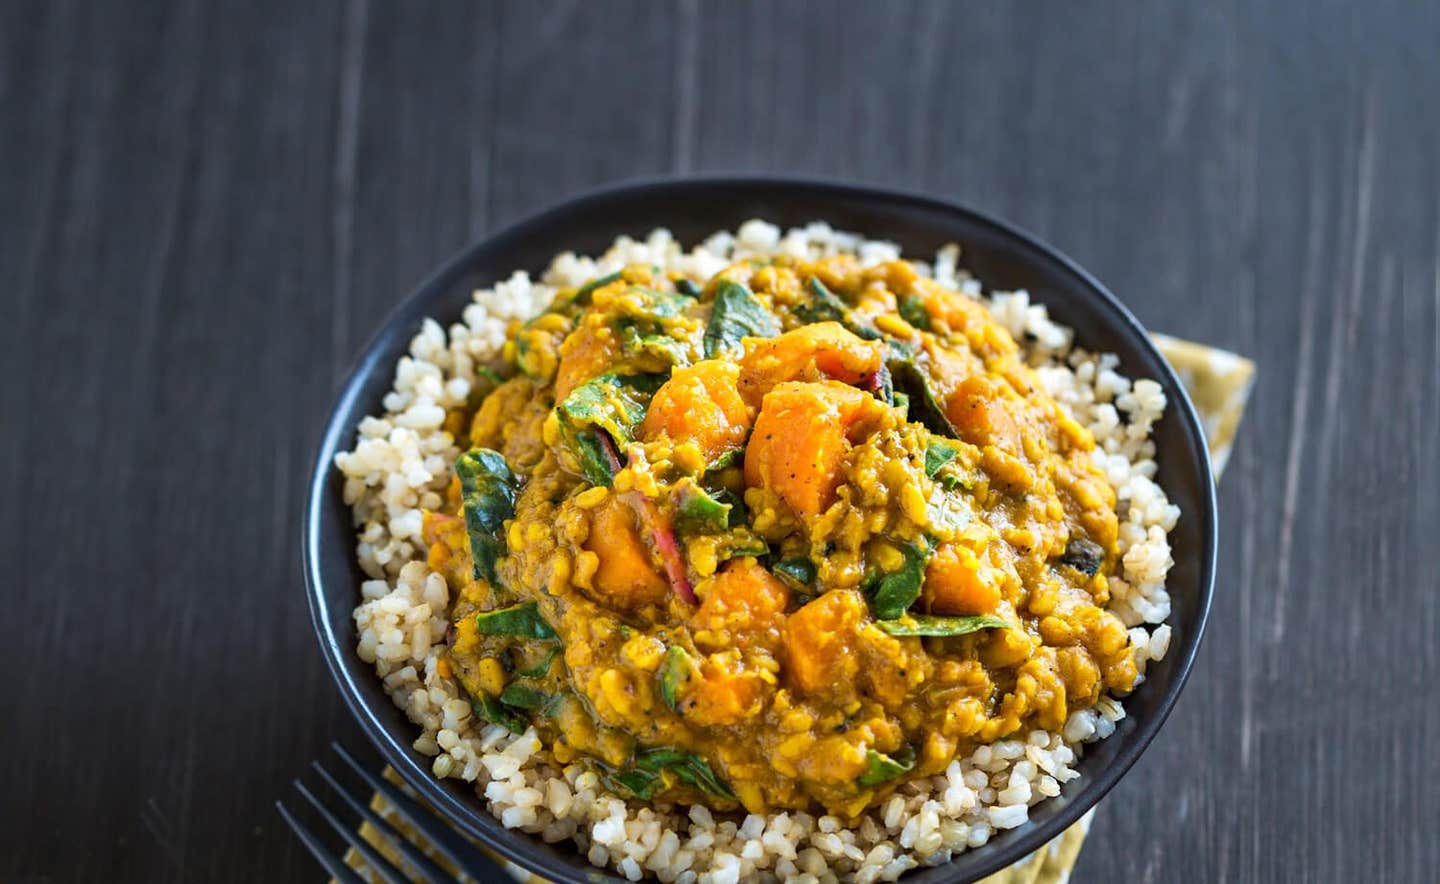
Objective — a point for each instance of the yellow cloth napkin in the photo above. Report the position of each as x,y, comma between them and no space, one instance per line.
1219,384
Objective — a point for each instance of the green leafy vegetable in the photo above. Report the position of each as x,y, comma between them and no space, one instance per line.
925,624
612,403
937,454
1085,556
686,767
826,306
606,404
729,458
487,490
881,768
582,295
541,669
898,590
741,542
659,348
639,783
687,288
736,314
902,402
490,374
739,515
697,512
799,572
642,776
522,621
674,671
912,381
520,696
493,711
912,310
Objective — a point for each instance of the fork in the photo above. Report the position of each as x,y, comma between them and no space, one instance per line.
445,840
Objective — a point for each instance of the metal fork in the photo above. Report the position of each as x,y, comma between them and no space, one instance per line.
445,840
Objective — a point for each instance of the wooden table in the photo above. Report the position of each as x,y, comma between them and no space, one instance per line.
205,210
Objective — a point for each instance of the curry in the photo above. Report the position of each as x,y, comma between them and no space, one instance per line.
786,540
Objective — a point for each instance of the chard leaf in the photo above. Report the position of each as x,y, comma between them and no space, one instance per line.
741,542
697,512
493,711
687,288
937,454
826,306
736,314
686,767
487,490
902,402
542,669
729,458
639,783
522,621
611,403
583,294
912,310
739,515
881,768
674,672
519,696
606,404
660,348
927,625
1085,556
898,590
912,381
799,572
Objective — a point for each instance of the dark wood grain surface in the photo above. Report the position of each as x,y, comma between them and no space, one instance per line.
205,210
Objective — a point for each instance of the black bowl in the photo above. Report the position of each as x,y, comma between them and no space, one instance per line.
1001,256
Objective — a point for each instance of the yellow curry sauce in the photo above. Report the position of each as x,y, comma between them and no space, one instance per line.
785,541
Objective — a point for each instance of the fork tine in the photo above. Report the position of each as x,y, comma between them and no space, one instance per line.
429,870
332,863
450,843
380,864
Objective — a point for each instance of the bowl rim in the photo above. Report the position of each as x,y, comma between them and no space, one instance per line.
515,846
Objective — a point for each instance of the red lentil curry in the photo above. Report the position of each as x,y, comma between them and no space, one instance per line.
783,541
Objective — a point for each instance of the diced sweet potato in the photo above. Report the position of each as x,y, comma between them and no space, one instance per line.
700,403
626,577
980,411
744,601
819,639
957,582
809,353
724,692
801,437
587,352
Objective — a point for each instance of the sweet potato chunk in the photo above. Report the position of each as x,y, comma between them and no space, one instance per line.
801,437
981,413
742,603
724,692
626,577
701,404
957,582
819,639
809,353
587,352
